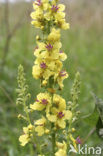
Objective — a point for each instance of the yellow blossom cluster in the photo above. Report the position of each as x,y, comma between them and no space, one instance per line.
55,108
49,16
49,58
48,11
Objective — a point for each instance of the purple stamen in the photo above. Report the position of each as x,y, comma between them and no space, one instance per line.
44,102
37,100
43,65
78,140
55,8
38,2
61,51
49,47
60,115
62,73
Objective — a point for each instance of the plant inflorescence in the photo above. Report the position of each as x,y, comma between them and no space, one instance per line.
54,124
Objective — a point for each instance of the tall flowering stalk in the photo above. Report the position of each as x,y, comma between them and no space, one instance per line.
55,115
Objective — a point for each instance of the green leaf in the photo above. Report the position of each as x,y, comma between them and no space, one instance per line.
93,118
97,114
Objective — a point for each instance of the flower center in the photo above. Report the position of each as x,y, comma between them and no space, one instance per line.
60,115
44,102
60,51
38,2
43,65
49,47
62,73
37,100
54,8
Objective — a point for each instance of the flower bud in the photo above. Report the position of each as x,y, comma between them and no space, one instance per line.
37,37
19,116
44,83
73,129
47,131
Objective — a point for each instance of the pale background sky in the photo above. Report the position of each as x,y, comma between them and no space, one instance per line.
15,0
25,0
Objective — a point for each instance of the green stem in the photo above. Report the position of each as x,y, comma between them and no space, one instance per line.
27,114
69,128
31,150
53,134
38,148
53,140
68,136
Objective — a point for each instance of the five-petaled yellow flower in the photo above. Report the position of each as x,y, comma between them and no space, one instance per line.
42,102
41,126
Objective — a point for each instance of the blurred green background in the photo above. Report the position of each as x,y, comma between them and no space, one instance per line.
83,43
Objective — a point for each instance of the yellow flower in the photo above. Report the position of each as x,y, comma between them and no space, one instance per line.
25,138
54,52
59,114
54,36
47,52
61,77
36,72
40,4
56,14
41,127
43,101
47,63
62,149
37,24
59,117
62,55
59,102
42,71
55,9
38,15
40,47
59,15
48,49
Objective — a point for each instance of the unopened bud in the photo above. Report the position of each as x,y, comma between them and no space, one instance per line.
42,27
69,102
47,131
44,83
73,129
30,127
19,116
37,37
31,135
